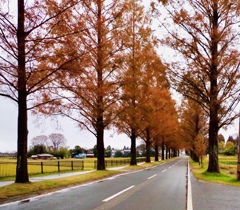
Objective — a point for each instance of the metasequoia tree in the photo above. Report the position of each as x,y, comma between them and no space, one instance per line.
136,35
167,130
24,33
200,146
152,87
89,86
192,126
205,34
159,120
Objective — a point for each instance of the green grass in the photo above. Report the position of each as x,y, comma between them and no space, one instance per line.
227,175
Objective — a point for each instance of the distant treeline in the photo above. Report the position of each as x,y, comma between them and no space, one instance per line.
8,154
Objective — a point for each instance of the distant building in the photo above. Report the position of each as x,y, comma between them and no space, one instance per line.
42,156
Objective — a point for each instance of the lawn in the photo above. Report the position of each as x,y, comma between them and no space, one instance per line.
227,175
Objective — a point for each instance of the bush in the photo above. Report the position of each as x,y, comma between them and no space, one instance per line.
232,150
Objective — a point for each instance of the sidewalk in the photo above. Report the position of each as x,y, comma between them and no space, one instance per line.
57,176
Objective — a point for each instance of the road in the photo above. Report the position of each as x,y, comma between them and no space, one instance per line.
162,187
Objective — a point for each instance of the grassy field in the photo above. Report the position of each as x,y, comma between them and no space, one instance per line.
227,175
8,166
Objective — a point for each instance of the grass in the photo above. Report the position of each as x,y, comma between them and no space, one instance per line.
227,175
15,189
8,166
21,191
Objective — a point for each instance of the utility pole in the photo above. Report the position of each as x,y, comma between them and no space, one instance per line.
238,163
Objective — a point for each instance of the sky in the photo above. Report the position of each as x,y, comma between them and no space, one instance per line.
73,135
65,126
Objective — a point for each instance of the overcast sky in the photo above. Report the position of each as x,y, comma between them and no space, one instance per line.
74,136
8,131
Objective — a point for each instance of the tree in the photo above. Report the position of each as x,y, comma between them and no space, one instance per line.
193,126
37,149
108,151
137,36
40,140
77,149
221,138
200,146
89,86
118,153
57,140
204,33
61,153
24,34
230,148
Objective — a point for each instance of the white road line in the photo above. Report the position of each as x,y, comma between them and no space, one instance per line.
189,194
152,176
164,170
117,194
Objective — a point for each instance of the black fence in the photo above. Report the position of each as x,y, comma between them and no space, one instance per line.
8,169
120,162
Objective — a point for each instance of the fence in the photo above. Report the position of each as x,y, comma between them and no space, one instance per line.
116,162
8,169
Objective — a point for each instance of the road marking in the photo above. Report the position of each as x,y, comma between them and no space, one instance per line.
152,176
164,170
117,194
189,194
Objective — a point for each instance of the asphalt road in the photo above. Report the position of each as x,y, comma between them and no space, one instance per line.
159,188
212,196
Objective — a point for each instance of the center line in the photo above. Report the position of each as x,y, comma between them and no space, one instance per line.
152,176
164,170
117,194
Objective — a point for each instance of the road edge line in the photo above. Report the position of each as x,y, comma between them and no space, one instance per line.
189,193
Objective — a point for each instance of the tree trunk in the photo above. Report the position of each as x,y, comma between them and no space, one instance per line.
133,149
163,150
148,146
213,165
156,152
100,92
166,153
100,148
21,169
175,153
214,102
194,156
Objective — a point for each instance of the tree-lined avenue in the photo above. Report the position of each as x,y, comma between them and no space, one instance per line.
161,187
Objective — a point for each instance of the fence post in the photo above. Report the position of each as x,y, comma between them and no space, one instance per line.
72,165
42,167
58,166
82,165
